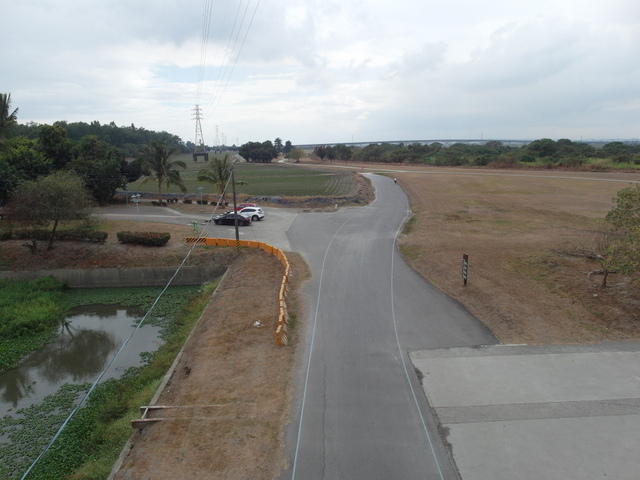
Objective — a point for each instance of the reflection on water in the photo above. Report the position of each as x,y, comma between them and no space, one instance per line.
85,344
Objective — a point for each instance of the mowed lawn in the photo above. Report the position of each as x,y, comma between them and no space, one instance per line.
268,179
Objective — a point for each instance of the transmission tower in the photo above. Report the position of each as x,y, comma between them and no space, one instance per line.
216,140
199,139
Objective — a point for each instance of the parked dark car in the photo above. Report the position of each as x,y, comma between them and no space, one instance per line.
230,219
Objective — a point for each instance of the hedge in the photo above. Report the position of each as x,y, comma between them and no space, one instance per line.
80,234
152,239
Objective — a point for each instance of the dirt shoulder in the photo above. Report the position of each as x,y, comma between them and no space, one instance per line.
228,397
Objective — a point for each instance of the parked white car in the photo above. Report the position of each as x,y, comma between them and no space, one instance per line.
255,213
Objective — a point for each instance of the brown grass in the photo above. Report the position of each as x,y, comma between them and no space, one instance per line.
514,230
230,389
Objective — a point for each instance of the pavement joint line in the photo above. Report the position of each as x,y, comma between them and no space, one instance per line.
508,350
538,411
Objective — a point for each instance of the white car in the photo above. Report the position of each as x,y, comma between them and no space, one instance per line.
255,213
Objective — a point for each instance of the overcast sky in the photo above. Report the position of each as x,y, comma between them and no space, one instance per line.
325,71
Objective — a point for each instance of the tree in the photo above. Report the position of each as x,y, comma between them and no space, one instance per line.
343,152
7,120
295,154
20,162
156,156
623,252
258,152
55,144
217,173
287,147
545,147
100,166
47,202
277,143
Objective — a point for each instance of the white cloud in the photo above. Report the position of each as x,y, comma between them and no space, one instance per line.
324,71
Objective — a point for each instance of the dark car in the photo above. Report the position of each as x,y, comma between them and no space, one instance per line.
230,219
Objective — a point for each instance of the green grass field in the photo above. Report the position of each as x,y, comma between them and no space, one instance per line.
269,179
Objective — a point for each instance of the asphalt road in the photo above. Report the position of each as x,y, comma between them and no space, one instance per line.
358,410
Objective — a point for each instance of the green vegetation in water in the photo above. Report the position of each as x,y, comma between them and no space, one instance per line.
143,297
92,441
30,312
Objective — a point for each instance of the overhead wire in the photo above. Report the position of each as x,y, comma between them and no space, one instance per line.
223,78
126,342
204,43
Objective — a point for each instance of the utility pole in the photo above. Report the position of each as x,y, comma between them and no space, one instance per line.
235,210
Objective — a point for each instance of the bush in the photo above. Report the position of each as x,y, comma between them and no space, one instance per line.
186,200
151,239
78,234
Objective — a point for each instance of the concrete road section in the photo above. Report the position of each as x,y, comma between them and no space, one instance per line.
272,229
531,413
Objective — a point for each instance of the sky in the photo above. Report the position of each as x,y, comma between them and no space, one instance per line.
325,71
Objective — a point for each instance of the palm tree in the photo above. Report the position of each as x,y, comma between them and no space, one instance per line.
156,157
7,120
217,173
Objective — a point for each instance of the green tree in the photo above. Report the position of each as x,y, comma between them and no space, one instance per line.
545,147
100,166
623,252
258,152
8,119
295,154
9,180
217,173
19,162
55,144
156,157
343,152
287,147
48,202
277,143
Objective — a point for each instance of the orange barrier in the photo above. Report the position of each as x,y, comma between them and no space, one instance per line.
283,316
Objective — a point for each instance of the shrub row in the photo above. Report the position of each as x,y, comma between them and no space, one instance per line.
152,239
80,234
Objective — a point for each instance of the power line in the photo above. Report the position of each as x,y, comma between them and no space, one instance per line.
223,80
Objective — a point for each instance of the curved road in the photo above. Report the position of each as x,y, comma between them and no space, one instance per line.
359,411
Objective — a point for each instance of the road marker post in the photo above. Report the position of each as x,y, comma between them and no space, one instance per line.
465,269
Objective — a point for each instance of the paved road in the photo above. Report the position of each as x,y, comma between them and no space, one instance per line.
359,411
271,230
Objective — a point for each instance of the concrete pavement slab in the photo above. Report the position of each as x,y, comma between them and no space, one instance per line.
556,412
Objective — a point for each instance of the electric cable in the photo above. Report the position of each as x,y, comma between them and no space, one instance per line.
126,342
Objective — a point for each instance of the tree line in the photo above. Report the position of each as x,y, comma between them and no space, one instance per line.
543,152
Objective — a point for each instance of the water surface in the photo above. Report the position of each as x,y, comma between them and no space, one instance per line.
86,342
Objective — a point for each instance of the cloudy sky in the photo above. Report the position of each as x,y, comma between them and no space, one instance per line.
325,71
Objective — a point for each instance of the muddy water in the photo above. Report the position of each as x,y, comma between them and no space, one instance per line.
83,347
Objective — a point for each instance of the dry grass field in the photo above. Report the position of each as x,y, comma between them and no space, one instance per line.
521,231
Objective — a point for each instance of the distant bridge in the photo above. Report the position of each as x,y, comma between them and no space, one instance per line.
446,142
450,141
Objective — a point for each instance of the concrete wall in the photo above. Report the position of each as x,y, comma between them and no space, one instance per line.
123,277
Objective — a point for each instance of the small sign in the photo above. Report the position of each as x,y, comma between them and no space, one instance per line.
465,268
